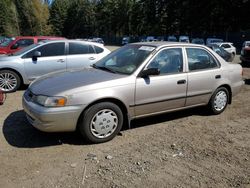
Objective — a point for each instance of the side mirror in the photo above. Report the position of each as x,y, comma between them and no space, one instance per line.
36,55
14,46
148,72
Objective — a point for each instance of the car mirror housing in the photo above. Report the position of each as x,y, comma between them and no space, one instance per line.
14,46
148,72
36,55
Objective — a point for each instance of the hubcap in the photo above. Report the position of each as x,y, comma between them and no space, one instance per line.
220,100
7,81
104,123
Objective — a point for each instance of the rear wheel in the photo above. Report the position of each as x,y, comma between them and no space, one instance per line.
219,100
101,122
9,81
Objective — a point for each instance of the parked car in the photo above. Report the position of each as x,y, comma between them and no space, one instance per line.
223,53
125,40
183,38
36,60
198,41
228,46
171,38
150,39
245,52
99,40
213,40
135,81
15,44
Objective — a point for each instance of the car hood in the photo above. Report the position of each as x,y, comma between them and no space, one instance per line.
7,58
68,82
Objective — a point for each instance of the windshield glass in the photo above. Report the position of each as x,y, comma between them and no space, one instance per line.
6,42
23,50
125,60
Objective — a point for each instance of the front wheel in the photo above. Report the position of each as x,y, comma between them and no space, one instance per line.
9,81
101,122
219,100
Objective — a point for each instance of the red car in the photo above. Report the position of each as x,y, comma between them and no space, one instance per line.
12,45
245,52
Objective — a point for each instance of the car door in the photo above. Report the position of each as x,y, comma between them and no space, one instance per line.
80,55
52,59
166,91
204,73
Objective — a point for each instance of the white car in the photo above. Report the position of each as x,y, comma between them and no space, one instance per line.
228,46
26,65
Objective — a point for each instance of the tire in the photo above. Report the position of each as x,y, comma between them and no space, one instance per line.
9,81
219,101
109,120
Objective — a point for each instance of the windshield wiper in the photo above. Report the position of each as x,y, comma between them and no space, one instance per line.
104,68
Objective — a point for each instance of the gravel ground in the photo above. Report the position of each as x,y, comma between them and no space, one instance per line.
181,149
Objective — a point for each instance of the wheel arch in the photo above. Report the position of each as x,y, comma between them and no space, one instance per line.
118,102
229,91
17,72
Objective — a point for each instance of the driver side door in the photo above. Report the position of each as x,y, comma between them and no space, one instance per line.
52,59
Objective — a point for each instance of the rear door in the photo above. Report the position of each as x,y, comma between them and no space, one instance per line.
166,91
203,76
80,55
52,59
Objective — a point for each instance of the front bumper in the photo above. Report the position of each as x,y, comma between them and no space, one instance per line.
245,59
58,119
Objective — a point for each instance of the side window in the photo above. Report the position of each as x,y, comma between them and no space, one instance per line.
98,49
199,59
78,48
47,50
168,61
226,46
25,42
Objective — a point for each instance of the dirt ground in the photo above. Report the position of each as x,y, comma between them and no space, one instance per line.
181,149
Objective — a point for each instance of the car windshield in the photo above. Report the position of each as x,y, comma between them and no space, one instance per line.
6,42
126,59
26,49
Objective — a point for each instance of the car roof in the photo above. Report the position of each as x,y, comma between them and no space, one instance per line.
72,40
165,43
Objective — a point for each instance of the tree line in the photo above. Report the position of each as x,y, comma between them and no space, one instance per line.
85,18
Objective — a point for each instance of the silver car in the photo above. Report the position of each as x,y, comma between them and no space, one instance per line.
137,80
36,60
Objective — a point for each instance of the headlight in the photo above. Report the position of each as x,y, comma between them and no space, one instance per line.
50,101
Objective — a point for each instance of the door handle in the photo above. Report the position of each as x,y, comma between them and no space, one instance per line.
61,60
91,58
181,81
217,76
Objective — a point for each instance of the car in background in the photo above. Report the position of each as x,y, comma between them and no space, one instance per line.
15,44
150,39
183,38
44,57
135,81
220,51
213,40
99,40
228,46
245,52
125,40
172,38
198,41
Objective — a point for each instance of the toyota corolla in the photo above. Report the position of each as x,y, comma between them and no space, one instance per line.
135,81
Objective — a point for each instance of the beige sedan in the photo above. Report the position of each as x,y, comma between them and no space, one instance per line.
135,81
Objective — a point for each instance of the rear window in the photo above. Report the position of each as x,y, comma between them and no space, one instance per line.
98,49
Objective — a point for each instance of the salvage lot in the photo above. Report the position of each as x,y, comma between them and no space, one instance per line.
181,149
